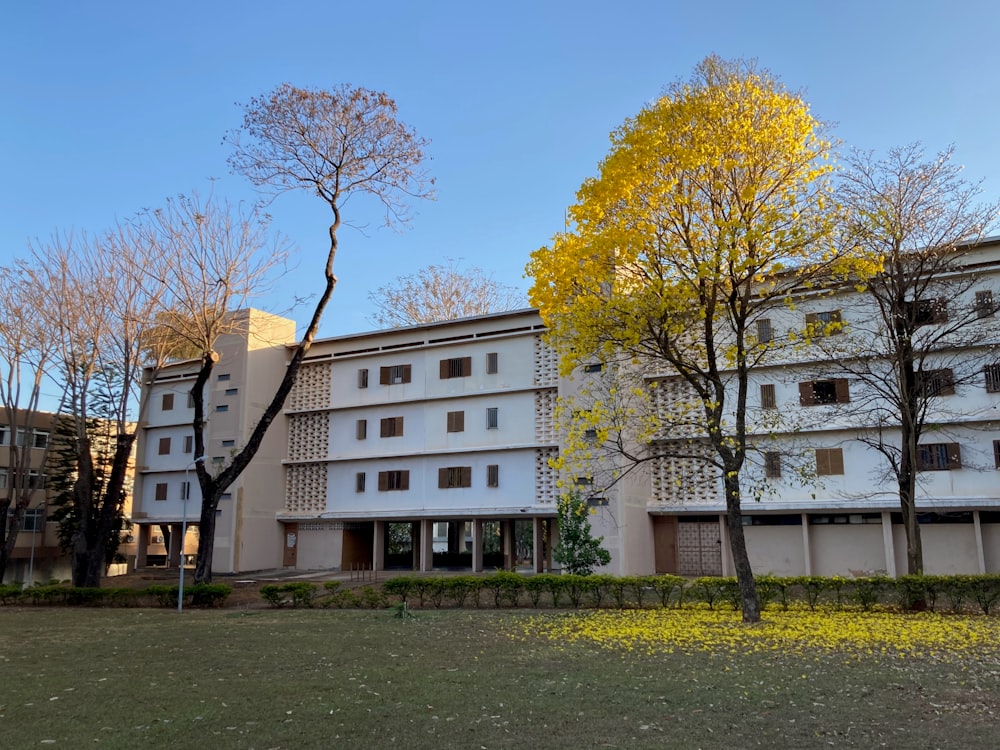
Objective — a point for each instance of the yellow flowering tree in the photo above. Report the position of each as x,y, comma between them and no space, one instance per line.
711,208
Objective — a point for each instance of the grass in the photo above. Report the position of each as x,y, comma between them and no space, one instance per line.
486,679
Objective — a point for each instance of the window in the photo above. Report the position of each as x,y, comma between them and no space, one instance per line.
829,461
984,304
363,377
939,456
161,490
996,454
185,490
456,421
936,383
764,331
164,447
772,465
361,429
814,392
222,376
222,407
39,439
584,481
393,480
454,476
188,443
228,443
456,367
768,399
493,475
227,496
493,418
168,402
991,373
596,367
232,391
219,460
37,481
359,482
492,362
394,374
34,520
190,400
4,435
925,311
827,323
391,427
3,479
590,434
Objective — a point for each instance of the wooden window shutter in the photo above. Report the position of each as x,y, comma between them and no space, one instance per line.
407,373
822,462
954,456
384,375
443,478
807,397
836,460
843,391
404,479
947,382
383,481
812,319
466,476
768,400
466,366
385,427
443,371
168,401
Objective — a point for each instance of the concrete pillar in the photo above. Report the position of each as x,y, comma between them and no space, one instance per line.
806,547
142,545
538,545
890,551
378,546
977,528
426,544
477,545
551,541
507,543
173,554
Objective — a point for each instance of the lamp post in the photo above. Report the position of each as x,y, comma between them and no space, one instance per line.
184,523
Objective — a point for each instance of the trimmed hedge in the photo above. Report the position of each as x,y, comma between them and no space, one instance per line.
196,595
507,589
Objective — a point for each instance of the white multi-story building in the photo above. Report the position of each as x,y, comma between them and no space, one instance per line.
423,446
430,446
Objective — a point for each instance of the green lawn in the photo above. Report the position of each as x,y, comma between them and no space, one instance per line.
123,678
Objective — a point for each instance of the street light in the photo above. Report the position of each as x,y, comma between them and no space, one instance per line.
184,526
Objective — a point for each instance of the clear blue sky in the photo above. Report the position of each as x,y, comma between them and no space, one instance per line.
109,107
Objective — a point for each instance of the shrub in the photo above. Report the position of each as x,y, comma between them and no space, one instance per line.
10,593
619,586
505,587
536,585
710,589
460,588
956,588
867,591
772,588
371,597
597,587
401,587
812,587
212,594
984,589
664,587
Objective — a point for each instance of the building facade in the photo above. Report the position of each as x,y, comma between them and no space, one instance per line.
432,446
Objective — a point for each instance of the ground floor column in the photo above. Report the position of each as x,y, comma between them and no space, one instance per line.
378,546
980,552
507,544
890,551
806,547
477,545
142,545
426,537
174,552
538,545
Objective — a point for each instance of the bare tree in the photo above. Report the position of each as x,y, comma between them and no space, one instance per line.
917,221
442,292
25,349
337,144
99,313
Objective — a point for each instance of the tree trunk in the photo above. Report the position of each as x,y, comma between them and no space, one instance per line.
96,517
749,601
907,481
206,532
